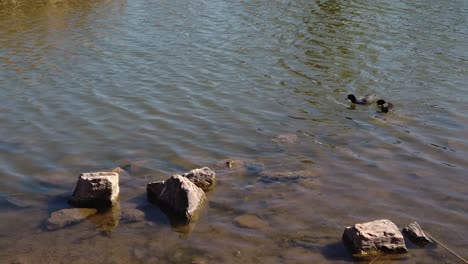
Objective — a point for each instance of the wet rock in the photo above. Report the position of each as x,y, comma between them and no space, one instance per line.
250,221
374,237
66,217
285,139
96,190
416,235
132,215
177,195
204,178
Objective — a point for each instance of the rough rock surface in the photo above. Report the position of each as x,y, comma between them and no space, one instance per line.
204,178
96,190
250,221
66,217
374,237
178,195
416,234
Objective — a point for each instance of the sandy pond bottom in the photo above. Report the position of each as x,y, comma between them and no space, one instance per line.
255,215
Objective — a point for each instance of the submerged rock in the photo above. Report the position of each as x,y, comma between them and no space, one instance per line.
66,217
107,220
96,190
204,178
178,195
285,138
374,237
416,235
250,221
132,215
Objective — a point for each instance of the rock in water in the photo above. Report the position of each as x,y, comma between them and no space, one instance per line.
374,237
66,217
250,221
285,139
204,178
96,190
178,195
417,235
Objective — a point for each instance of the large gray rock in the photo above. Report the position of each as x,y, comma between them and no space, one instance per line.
416,235
178,195
66,217
96,190
374,237
204,178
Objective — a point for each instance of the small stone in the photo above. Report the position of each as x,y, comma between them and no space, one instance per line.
416,235
204,178
177,194
374,237
66,217
250,221
96,190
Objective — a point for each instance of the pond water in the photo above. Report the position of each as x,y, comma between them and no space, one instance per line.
168,86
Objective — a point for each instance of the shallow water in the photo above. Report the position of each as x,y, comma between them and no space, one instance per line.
167,86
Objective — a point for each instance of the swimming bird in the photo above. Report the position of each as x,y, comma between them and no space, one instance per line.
384,106
366,100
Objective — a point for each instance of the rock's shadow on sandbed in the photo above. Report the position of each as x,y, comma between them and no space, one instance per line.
336,251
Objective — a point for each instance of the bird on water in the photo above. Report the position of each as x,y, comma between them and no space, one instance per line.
384,106
366,100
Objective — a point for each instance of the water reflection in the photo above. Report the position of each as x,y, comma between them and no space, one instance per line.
34,32
160,87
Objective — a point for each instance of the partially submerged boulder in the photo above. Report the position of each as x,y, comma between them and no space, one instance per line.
204,178
178,195
374,237
96,190
66,217
416,235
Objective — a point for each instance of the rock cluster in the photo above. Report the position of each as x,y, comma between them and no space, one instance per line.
182,195
178,195
379,236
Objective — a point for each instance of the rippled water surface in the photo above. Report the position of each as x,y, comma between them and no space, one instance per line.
161,87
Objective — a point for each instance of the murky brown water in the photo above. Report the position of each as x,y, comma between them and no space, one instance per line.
167,86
